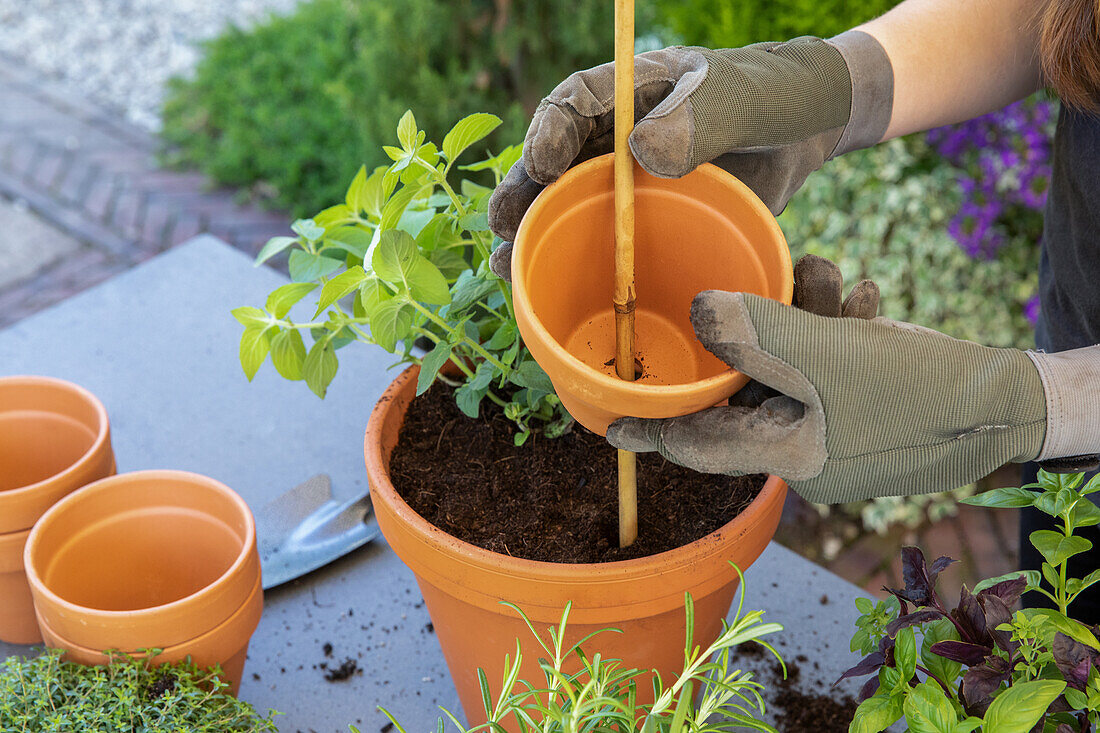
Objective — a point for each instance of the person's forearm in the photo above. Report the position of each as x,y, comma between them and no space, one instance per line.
957,59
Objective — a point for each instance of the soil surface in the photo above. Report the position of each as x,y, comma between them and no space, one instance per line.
554,500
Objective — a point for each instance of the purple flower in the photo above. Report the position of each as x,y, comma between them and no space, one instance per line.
1031,309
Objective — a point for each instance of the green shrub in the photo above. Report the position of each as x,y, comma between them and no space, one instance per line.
294,106
883,214
45,695
726,23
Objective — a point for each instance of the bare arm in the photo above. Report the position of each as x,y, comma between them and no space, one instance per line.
957,59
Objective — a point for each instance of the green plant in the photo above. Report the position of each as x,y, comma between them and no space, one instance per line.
722,24
46,695
410,251
293,106
1035,669
601,695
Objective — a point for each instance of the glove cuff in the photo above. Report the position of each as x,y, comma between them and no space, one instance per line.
872,90
1071,383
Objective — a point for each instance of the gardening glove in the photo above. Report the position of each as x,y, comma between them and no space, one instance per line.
873,407
770,113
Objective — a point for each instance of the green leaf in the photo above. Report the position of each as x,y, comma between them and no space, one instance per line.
320,367
989,582
431,364
1089,580
288,353
449,262
1056,548
372,294
940,630
274,246
355,240
427,284
927,710
1069,627
355,197
395,207
865,605
483,376
504,336
390,322
1019,708
469,399
1085,514
255,345
373,195
250,317
468,131
394,256
875,714
283,298
340,286
330,217
469,289
475,221
529,374
1092,486
308,229
905,652
406,130
1008,497
306,267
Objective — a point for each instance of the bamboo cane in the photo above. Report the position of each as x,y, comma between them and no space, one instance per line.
624,296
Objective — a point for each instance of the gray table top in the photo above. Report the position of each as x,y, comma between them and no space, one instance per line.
157,344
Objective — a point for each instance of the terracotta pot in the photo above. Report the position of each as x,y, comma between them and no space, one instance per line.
463,585
704,231
54,438
151,559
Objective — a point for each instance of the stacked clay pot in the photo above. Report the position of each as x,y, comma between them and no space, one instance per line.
54,439
148,560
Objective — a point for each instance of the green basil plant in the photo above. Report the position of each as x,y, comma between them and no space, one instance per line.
403,262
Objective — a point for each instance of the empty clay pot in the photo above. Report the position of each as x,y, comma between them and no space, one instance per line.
463,585
54,438
151,559
705,231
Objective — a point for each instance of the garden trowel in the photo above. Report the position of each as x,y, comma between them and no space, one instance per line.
306,528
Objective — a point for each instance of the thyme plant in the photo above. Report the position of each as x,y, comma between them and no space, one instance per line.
402,261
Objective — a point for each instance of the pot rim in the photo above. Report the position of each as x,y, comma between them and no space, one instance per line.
239,616
562,573
215,587
102,433
598,379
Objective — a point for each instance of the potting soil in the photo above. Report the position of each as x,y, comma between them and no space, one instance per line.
554,500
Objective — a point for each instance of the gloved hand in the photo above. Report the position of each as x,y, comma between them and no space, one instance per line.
873,407
770,113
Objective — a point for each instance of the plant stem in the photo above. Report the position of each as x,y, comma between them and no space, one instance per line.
475,346
937,679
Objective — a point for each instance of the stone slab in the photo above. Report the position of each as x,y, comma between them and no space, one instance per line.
159,347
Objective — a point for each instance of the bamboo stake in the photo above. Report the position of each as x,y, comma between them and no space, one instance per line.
624,296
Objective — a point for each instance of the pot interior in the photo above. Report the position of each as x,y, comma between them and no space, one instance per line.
141,559
690,235
36,445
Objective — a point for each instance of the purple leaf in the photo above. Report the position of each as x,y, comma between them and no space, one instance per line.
1073,659
970,617
997,613
941,564
980,682
918,585
961,651
1008,591
912,619
871,663
870,687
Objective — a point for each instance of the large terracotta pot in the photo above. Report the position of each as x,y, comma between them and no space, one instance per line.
151,559
463,585
54,438
705,231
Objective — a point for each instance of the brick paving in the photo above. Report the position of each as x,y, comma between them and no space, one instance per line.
96,178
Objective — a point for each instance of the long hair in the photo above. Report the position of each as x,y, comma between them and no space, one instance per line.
1070,51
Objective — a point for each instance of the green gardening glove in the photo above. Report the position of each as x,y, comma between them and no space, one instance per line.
868,408
770,113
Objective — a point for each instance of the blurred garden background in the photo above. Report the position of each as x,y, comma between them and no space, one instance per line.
281,102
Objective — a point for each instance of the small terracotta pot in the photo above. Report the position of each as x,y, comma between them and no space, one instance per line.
463,585
151,559
54,438
705,231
